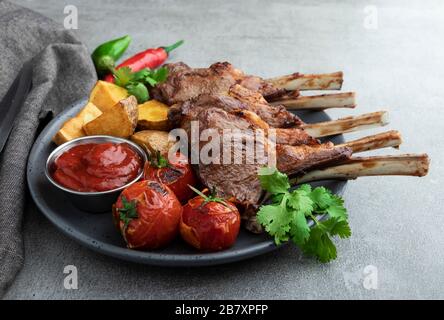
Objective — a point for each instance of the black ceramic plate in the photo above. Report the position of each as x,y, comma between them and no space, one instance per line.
97,232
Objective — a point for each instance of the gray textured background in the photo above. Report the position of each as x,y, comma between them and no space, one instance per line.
397,222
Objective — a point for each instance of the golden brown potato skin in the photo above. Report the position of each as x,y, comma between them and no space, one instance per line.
73,127
105,95
153,140
153,115
132,110
118,121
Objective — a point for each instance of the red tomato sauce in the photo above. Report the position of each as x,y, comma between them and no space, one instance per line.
95,167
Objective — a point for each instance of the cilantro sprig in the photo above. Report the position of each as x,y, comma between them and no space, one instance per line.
128,212
137,83
286,217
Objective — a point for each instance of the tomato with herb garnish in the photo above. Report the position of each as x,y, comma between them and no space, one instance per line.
177,174
209,223
147,213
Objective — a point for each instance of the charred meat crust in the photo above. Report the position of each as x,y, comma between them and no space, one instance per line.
298,159
184,83
294,137
274,116
240,180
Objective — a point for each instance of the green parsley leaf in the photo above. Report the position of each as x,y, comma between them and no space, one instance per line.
273,181
151,77
305,187
299,229
160,75
150,81
137,83
286,217
337,227
276,220
322,197
336,208
276,198
319,245
128,212
123,76
162,162
141,75
300,200
157,160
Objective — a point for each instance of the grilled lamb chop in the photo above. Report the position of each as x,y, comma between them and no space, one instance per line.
243,99
233,96
184,83
296,151
238,178
181,115
238,98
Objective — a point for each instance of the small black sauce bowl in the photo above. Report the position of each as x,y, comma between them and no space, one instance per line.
96,202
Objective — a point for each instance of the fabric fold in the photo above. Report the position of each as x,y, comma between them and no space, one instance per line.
62,73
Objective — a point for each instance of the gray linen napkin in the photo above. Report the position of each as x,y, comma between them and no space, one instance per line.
62,73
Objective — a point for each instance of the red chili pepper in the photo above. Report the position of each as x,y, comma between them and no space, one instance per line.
150,58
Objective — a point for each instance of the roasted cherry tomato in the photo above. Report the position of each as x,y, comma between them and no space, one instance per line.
147,213
209,223
176,174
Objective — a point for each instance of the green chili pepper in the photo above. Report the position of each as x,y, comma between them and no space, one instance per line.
140,91
106,55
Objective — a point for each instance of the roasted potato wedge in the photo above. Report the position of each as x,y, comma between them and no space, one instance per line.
73,128
106,95
153,140
118,121
153,115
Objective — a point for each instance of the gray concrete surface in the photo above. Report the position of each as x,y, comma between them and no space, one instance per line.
397,222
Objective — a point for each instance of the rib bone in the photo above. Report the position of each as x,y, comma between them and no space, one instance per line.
381,140
403,165
348,124
297,81
319,102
